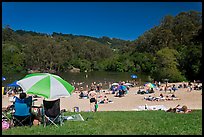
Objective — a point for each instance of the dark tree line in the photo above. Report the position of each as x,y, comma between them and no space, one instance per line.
170,50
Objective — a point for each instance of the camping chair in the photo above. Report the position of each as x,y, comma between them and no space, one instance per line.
52,113
22,112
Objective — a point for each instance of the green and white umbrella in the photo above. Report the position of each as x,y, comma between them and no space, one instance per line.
46,85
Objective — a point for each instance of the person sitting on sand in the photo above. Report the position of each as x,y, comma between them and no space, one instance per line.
120,93
167,98
184,85
161,97
97,88
81,89
199,86
151,90
173,96
82,95
92,87
141,91
138,92
180,86
174,87
114,89
105,100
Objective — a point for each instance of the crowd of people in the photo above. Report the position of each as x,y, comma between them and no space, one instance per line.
190,86
97,95
120,90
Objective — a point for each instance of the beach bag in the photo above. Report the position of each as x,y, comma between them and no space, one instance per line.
96,106
5,125
76,109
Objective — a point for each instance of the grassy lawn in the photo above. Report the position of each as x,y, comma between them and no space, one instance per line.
122,123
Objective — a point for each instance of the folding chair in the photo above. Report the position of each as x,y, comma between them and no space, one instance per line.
22,112
51,113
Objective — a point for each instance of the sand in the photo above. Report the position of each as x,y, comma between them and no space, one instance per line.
131,101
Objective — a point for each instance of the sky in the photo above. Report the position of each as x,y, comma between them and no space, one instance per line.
123,20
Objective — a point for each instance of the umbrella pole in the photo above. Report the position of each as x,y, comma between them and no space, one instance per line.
43,116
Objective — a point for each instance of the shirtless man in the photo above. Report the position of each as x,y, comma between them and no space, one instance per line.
92,96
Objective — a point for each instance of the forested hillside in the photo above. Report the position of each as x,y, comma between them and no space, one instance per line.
172,50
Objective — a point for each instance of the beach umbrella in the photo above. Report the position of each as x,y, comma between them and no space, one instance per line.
115,84
3,78
46,85
122,87
150,85
133,76
128,84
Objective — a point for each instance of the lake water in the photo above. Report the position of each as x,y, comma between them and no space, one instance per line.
83,79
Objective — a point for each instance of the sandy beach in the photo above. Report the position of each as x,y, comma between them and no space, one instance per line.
131,101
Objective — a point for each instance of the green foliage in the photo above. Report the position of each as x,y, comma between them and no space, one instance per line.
166,65
82,64
143,61
12,57
191,61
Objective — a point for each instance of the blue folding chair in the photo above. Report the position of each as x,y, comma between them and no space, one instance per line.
22,112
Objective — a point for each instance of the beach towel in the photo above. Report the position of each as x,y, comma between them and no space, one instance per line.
76,117
155,107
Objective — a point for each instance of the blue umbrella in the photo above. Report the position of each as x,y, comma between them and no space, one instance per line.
14,84
122,87
133,76
3,78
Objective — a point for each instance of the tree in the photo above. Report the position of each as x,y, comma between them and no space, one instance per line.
167,65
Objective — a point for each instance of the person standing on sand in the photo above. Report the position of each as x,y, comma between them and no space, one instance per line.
87,87
92,96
